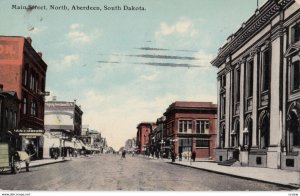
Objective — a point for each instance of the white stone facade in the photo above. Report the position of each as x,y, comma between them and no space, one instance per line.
259,89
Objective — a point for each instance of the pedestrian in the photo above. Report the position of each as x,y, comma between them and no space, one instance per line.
123,154
180,156
173,156
193,157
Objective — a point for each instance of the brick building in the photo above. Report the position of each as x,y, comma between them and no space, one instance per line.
23,70
142,136
190,126
9,110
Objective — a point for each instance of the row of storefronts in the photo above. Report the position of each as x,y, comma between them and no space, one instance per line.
185,128
27,122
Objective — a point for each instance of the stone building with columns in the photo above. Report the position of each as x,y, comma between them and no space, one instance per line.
259,89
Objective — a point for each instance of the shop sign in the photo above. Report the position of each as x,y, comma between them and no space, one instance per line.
30,133
38,131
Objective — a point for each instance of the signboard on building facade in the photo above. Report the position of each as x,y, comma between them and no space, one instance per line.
11,50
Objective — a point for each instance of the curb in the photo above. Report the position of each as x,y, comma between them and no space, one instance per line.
49,163
292,186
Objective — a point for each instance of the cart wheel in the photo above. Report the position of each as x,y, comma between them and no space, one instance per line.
17,167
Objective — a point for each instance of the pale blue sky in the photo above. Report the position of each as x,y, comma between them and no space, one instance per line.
93,56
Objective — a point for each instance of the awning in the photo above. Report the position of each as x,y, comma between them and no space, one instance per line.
69,144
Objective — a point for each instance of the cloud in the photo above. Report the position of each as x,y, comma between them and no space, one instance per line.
77,36
203,58
68,60
65,62
149,77
182,27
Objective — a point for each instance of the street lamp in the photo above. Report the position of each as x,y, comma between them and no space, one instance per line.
161,147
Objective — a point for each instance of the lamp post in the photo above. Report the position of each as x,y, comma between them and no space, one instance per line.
173,149
161,147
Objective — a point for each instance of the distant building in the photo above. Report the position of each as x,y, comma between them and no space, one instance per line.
259,89
63,124
191,126
63,118
130,145
84,129
142,136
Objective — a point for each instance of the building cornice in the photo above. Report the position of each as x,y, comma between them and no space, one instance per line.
249,29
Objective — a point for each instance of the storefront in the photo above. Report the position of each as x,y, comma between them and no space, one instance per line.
31,137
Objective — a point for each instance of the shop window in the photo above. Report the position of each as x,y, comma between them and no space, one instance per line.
202,143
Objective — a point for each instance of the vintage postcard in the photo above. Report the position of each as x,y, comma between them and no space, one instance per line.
149,95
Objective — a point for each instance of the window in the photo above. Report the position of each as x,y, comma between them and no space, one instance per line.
202,126
249,79
265,71
25,77
237,85
202,143
185,126
24,105
15,120
223,106
33,108
295,33
295,76
223,81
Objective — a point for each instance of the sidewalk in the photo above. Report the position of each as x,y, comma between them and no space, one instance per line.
274,176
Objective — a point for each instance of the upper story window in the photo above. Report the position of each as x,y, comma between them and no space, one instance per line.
295,76
249,79
265,70
185,126
237,85
202,126
223,81
295,33
25,76
24,105
223,106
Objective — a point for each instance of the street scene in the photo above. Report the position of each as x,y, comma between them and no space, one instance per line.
171,95
110,173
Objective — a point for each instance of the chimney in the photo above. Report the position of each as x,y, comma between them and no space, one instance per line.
40,54
1,87
29,39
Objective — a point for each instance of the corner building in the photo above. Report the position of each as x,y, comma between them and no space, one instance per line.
259,89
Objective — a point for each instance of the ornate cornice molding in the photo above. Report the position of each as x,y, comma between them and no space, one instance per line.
253,25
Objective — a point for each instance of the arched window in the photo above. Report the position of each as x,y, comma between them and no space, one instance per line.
222,136
293,132
264,132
